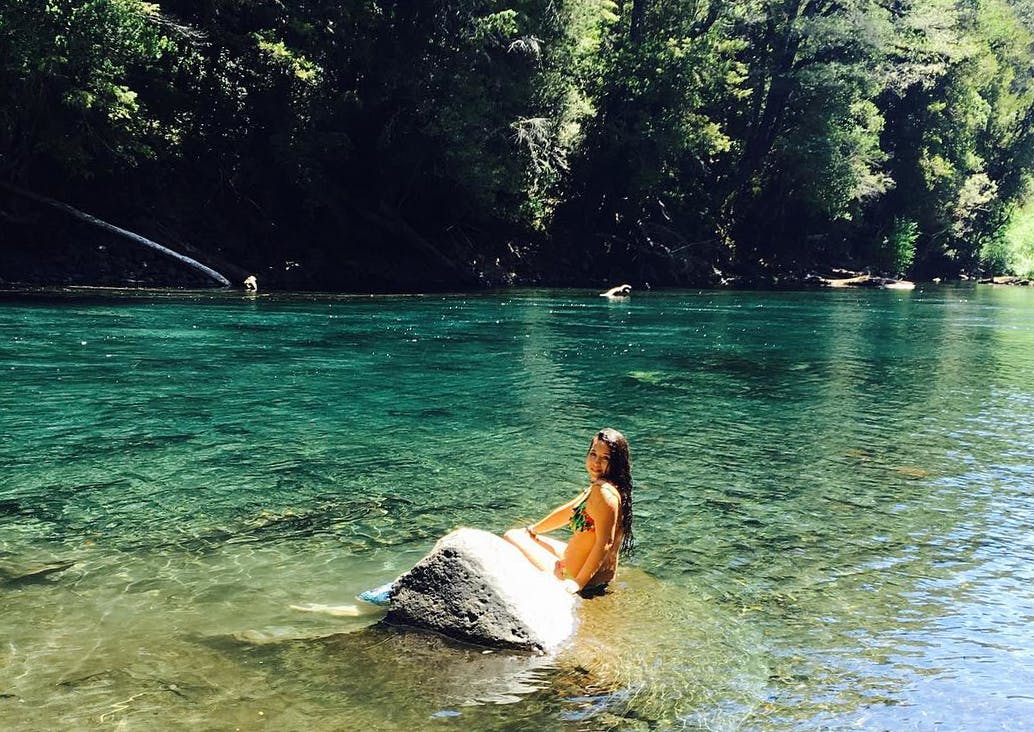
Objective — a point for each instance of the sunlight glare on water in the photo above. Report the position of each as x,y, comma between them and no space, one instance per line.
833,506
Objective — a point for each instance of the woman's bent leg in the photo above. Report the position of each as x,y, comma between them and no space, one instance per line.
542,554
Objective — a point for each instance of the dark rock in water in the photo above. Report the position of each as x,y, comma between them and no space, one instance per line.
476,587
10,508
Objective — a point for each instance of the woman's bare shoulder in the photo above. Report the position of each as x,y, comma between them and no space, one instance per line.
610,493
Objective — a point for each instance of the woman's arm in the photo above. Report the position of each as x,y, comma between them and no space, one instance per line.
557,517
544,553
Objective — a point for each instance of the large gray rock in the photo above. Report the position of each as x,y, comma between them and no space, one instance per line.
479,588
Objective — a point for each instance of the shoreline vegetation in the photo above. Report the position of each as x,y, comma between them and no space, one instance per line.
402,147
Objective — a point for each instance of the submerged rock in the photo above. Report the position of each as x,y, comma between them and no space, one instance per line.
14,575
476,587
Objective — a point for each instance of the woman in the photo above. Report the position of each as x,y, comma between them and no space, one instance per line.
600,519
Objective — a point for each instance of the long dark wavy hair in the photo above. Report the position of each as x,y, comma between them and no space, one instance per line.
619,472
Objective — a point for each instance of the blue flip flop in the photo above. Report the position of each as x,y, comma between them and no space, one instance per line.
377,596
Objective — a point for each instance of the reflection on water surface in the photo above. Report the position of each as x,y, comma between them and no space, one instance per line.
832,503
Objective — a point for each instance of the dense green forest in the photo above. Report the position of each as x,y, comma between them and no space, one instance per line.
377,145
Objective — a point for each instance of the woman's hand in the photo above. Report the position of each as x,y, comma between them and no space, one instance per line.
571,586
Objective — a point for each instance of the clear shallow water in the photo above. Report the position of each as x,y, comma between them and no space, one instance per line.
833,502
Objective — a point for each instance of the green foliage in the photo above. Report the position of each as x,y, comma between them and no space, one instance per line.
278,51
898,248
810,158
74,82
1012,251
957,128
642,179
651,138
995,255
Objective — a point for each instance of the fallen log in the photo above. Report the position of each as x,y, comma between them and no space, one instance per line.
93,220
866,280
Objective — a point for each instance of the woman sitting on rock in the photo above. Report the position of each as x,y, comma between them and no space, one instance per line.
601,527
600,519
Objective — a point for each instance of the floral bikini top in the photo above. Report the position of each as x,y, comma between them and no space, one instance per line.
580,518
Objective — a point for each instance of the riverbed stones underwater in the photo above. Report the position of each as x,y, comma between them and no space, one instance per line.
476,587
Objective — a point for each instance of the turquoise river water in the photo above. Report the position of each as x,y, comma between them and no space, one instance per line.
833,504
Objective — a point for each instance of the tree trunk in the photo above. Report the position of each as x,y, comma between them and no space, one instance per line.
82,216
638,21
